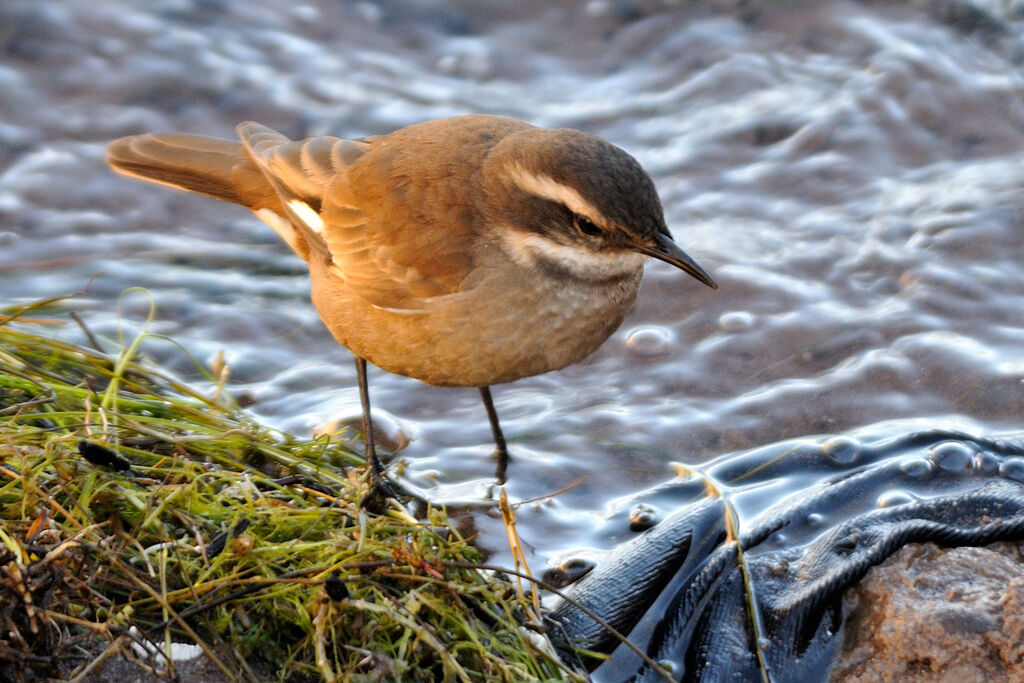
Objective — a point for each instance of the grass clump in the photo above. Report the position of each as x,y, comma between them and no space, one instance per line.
138,511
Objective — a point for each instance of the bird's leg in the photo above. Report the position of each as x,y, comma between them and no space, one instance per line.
501,450
372,462
380,488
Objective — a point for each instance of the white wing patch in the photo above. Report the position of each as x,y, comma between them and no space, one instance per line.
305,213
282,226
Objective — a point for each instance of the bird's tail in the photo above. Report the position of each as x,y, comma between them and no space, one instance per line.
217,168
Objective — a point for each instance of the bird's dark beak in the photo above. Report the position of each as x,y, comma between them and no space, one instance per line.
668,251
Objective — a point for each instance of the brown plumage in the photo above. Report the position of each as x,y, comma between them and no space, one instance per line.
466,251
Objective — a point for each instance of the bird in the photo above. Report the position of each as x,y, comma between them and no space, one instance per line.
466,251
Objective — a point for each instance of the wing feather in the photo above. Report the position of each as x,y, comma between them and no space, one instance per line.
374,240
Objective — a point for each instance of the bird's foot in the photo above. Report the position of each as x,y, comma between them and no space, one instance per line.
382,490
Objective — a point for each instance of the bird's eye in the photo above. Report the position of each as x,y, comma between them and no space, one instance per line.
586,226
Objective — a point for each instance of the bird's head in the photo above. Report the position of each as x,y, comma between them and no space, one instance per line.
572,202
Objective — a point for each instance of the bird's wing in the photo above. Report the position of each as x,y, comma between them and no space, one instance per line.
361,218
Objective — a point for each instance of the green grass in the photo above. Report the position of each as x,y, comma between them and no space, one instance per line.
305,584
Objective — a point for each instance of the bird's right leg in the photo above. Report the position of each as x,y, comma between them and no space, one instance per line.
379,485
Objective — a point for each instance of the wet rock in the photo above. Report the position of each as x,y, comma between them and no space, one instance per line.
938,614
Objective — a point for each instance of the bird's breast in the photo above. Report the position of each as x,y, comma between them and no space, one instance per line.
507,322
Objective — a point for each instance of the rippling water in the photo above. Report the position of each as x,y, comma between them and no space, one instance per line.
850,173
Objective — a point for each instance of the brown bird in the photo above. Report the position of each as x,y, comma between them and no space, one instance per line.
466,251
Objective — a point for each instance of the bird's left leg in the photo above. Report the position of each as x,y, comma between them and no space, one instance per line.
501,449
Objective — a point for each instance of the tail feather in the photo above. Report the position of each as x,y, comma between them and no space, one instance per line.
221,169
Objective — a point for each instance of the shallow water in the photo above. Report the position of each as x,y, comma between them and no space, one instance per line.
850,174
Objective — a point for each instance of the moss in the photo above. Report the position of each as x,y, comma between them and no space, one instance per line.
137,508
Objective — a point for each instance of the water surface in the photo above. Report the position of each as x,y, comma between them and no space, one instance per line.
850,173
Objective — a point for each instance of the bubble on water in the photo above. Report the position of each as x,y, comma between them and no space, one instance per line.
668,665
1012,468
916,467
893,498
987,462
568,572
388,433
841,449
650,341
642,517
952,456
736,321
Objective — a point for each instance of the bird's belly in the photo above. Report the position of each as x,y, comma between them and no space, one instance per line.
491,334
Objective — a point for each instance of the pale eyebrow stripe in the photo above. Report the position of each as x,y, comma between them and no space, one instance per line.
547,187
